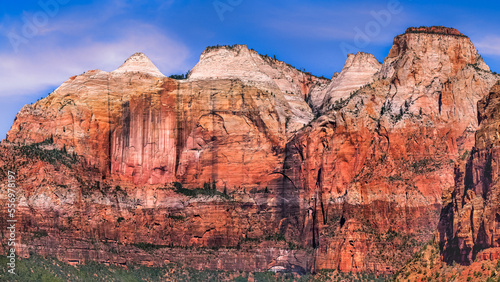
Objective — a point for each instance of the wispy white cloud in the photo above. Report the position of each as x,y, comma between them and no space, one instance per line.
89,42
489,45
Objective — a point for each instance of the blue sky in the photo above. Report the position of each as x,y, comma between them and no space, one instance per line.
45,42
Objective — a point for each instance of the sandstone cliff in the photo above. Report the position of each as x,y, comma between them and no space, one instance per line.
98,156
231,170
470,223
291,86
133,126
360,69
373,167
466,246
139,63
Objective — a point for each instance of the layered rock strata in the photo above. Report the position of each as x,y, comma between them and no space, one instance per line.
131,166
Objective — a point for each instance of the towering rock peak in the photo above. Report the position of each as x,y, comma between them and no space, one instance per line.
431,69
290,86
421,110
425,53
231,62
240,62
362,61
139,63
359,69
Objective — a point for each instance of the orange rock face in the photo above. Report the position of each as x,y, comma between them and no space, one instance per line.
470,224
117,142
261,183
373,168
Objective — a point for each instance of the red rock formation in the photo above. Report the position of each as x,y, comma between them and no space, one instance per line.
470,223
291,86
148,130
360,69
427,265
97,157
373,168
134,133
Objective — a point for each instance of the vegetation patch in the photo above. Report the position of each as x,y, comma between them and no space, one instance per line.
442,30
395,178
149,247
180,76
209,189
52,156
465,155
176,217
424,166
40,234
403,110
272,237
339,104
38,268
97,186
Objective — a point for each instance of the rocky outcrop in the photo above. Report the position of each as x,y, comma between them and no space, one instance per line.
131,166
98,156
425,66
145,129
239,62
360,69
470,222
290,86
139,63
466,244
374,166
67,211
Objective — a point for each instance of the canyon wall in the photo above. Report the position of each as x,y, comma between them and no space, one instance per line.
250,164
470,222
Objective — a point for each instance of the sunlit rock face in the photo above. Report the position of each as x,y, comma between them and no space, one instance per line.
290,86
101,152
360,69
139,63
273,168
374,165
470,224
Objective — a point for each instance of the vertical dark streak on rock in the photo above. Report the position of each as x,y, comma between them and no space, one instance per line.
289,195
319,187
213,138
481,242
314,226
109,161
487,176
179,134
469,179
126,126
440,101
144,124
